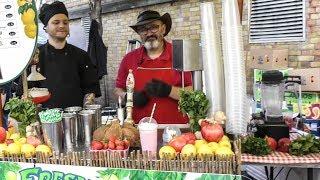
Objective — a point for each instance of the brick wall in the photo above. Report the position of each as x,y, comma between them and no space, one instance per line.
186,24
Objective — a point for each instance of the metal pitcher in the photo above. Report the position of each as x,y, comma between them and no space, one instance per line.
69,125
97,110
87,118
77,125
53,135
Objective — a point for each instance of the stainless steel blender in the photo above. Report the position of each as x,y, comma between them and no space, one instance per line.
272,96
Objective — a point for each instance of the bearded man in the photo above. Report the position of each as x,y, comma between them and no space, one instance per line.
155,80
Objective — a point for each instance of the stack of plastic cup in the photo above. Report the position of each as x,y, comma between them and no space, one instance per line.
237,108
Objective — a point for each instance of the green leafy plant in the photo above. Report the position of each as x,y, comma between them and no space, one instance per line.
22,110
195,104
256,146
304,145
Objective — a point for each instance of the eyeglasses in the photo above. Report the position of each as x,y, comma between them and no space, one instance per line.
144,30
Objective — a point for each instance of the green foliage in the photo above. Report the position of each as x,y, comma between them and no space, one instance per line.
304,145
255,146
24,111
195,104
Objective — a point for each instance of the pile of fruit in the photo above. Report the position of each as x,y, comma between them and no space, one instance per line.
113,143
13,144
127,131
211,141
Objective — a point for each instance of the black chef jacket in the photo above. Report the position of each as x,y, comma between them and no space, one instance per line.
69,74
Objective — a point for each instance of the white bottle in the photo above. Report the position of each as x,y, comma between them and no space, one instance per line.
130,88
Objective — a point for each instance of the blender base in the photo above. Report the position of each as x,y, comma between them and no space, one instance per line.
276,131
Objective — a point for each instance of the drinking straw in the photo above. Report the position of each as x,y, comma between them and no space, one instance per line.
153,109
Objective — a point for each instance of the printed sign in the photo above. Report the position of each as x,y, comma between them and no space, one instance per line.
18,36
27,171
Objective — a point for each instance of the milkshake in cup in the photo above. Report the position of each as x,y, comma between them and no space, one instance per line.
148,134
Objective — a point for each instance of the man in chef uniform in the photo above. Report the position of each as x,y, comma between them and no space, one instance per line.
155,80
71,78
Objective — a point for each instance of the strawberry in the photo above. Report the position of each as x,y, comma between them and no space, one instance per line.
111,145
120,147
119,143
112,138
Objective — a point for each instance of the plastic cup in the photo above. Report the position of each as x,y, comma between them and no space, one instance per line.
148,134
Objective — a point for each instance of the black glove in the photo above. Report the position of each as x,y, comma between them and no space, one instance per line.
140,99
157,88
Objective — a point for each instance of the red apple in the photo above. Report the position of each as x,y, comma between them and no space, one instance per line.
96,145
177,143
272,143
3,135
283,145
188,136
212,132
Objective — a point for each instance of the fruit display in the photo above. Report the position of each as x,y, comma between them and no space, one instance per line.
14,144
189,147
113,143
28,17
127,131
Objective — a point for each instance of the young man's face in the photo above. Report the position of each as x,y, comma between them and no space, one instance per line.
58,27
151,34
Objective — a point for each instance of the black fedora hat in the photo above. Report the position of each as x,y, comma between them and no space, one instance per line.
150,16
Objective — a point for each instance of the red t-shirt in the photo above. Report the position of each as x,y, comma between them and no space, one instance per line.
133,59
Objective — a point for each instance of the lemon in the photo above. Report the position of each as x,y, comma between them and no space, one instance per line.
21,2
15,136
225,144
168,152
3,149
204,150
23,140
28,16
8,134
225,138
44,149
11,175
222,150
198,143
30,30
14,148
28,150
189,150
213,146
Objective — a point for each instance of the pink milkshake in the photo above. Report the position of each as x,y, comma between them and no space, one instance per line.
148,134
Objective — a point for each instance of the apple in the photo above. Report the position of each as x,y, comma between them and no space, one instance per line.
177,143
3,135
212,132
283,145
188,136
272,143
96,145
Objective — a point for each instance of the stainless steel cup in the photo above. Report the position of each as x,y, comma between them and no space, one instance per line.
69,125
53,135
87,119
97,110
77,125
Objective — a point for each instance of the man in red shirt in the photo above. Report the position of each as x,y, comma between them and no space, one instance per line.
155,79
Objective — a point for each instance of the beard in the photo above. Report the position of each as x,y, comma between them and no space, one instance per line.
151,43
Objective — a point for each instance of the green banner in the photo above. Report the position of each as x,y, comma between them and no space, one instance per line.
30,171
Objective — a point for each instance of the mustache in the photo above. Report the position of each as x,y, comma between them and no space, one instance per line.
150,37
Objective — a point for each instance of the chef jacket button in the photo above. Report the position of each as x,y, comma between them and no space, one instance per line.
86,66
